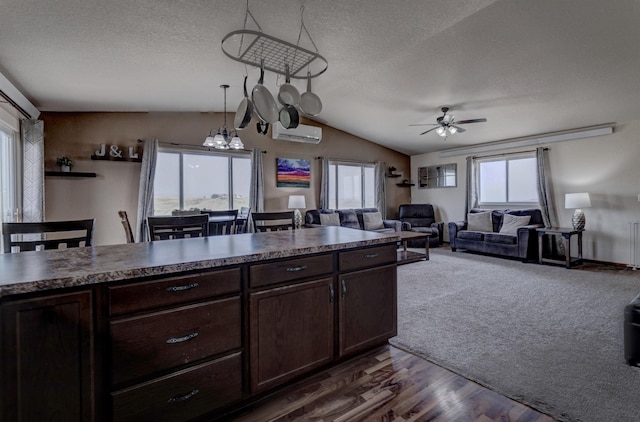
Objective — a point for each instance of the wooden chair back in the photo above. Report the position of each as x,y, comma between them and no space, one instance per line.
23,237
243,220
221,222
273,221
178,227
124,219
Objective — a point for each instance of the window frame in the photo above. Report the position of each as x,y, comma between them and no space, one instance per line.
362,165
506,159
181,151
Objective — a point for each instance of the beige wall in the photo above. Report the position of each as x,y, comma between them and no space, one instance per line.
606,167
78,135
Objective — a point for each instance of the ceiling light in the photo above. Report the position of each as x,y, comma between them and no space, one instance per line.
441,131
221,138
452,129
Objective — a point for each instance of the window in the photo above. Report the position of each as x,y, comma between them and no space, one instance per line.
507,181
9,195
214,181
351,185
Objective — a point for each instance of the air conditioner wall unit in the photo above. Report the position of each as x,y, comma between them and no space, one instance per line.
303,133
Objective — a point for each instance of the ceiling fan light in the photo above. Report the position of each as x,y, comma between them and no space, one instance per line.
441,131
452,130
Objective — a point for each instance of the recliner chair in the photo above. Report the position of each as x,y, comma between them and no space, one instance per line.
422,219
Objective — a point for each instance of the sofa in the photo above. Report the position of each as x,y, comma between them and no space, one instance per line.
360,218
509,233
421,218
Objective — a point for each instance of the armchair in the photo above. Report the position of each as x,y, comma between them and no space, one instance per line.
421,218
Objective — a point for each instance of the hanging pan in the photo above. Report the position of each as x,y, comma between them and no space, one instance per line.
288,94
245,110
310,103
289,117
263,101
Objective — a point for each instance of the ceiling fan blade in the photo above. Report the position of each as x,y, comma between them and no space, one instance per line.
462,122
429,130
425,124
458,128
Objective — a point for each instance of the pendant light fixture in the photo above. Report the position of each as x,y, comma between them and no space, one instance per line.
221,139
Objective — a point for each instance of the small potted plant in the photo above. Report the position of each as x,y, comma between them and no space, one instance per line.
65,163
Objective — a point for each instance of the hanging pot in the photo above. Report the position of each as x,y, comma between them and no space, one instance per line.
289,117
263,101
310,103
245,110
262,127
288,94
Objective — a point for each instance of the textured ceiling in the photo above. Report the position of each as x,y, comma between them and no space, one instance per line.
529,67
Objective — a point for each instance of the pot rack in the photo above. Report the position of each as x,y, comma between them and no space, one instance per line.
256,47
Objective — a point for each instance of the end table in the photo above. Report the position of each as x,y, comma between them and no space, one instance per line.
566,233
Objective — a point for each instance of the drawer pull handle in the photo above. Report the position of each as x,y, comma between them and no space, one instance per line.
371,255
331,293
344,288
188,337
294,269
184,397
182,288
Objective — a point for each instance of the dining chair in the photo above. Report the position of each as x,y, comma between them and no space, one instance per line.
124,219
273,221
243,219
22,237
221,222
177,213
178,227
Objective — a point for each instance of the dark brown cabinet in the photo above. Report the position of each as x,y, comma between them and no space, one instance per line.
292,331
48,366
368,308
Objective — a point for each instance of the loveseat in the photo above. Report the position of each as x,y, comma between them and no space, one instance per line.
421,218
359,218
510,233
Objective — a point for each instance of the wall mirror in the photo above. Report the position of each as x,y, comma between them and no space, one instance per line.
440,176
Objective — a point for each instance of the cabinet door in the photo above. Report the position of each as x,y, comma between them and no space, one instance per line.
291,331
47,366
368,308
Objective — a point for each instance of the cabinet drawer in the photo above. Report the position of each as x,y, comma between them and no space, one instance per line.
369,257
182,395
171,291
159,341
290,269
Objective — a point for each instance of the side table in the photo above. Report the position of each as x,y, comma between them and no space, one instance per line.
405,256
566,233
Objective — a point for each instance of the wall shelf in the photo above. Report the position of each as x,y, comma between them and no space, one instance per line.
405,185
69,174
110,158
393,175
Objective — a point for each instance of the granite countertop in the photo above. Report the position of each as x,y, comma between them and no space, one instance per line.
46,270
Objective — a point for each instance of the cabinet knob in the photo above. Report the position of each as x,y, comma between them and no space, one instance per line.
182,288
182,339
298,268
184,397
371,255
344,288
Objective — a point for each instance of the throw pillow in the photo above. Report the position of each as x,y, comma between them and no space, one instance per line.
372,221
330,219
510,223
479,221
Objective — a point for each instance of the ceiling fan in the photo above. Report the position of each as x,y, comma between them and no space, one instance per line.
447,125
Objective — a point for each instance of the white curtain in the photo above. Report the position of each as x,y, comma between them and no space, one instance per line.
545,197
324,184
32,170
381,191
256,190
471,199
145,191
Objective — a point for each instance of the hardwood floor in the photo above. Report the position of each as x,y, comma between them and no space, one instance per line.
388,384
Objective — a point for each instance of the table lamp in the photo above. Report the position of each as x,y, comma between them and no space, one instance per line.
577,201
296,202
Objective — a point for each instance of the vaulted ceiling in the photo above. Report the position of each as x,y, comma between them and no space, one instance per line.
529,67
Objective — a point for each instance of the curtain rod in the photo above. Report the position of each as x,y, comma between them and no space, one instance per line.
344,160
507,153
199,147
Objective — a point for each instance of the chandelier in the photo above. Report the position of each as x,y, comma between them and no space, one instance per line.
221,139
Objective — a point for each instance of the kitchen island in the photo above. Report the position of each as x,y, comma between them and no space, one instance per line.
184,329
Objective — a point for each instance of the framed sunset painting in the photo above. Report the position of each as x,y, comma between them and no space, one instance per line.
293,173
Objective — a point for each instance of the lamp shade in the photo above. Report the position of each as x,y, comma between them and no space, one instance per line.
577,200
296,201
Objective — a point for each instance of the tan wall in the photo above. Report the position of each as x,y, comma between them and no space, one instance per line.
605,166
78,135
